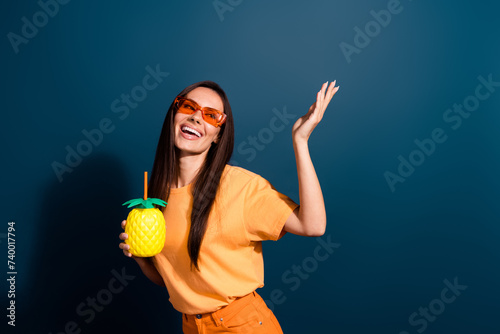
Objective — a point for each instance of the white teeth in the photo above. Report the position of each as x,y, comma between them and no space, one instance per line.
186,128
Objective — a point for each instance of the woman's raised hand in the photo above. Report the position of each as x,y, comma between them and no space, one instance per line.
305,125
123,245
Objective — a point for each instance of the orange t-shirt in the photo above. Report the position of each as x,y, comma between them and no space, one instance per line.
247,210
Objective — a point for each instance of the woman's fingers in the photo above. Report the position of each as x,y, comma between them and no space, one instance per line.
324,97
124,236
127,253
125,249
330,89
322,100
124,246
322,94
324,91
329,93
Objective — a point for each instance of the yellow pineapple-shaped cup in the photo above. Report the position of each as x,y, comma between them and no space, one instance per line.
145,225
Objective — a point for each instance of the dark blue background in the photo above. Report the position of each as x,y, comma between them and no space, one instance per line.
396,247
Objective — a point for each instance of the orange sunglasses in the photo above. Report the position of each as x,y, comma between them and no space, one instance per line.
211,116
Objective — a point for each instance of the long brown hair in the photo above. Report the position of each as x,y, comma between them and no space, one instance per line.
165,168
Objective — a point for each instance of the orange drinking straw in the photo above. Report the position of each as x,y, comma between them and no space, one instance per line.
145,185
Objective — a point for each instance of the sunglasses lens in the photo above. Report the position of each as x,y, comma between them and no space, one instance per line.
212,117
186,107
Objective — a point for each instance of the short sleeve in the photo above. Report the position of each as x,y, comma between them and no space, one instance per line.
265,210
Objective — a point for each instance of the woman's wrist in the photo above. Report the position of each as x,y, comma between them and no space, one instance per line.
142,261
299,143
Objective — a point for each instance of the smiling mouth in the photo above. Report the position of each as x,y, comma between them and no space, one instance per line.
190,131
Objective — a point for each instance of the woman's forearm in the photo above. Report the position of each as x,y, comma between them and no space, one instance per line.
148,269
312,213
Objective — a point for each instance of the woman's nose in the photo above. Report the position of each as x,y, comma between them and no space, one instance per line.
197,116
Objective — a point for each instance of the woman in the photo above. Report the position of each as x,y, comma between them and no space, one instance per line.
218,215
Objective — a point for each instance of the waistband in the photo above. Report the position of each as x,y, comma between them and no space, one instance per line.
226,311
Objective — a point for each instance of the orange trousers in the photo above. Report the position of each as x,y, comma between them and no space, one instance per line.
247,314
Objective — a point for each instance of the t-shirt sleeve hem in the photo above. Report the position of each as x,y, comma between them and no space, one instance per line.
281,222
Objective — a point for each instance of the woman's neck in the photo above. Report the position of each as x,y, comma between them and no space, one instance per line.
188,167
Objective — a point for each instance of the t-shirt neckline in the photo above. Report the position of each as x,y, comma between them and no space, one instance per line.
181,189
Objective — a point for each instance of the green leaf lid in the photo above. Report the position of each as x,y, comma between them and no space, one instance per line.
145,203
